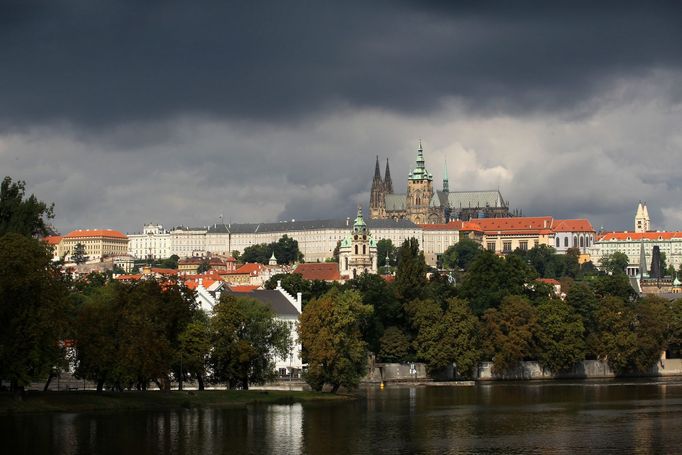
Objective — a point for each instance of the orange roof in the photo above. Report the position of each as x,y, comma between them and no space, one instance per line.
243,288
551,281
129,277
205,282
516,224
324,271
388,278
162,271
640,236
52,239
581,225
452,226
251,268
96,233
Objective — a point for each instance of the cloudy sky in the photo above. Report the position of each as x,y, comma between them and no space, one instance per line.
124,112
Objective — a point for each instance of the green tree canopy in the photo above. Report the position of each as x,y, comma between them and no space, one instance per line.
461,254
246,337
78,255
560,339
20,214
410,279
33,306
285,249
510,333
394,345
491,278
444,337
385,248
330,331
195,346
615,263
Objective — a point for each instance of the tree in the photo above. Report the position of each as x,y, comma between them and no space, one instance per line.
410,278
21,215
394,345
583,302
510,333
615,263
560,338
204,266
330,332
286,250
260,253
33,306
386,249
246,336
491,278
444,337
195,346
461,254
631,337
617,285
78,256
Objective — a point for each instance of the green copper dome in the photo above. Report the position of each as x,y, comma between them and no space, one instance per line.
420,172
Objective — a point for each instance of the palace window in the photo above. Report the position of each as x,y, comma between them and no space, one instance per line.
506,246
558,242
523,245
491,246
566,242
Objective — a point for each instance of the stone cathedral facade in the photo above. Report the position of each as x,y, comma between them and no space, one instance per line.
423,204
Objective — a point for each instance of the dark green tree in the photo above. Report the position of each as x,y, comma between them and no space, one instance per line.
330,331
286,250
195,346
394,345
410,280
20,214
462,254
491,278
446,336
385,248
615,263
510,333
560,340
204,266
33,306
78,255
246,336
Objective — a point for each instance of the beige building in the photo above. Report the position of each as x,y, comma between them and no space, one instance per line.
437,238
98,243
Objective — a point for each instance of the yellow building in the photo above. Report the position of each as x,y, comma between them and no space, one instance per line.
98,243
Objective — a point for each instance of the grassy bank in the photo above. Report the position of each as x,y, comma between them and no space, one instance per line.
154,400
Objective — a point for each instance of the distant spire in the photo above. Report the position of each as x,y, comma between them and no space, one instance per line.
388,183
643,272
377,172
446,183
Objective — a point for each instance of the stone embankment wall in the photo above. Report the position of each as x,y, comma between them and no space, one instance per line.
587,369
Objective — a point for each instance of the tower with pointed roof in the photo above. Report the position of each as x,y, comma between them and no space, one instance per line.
419,191
388,183
642,221
377,196
358,251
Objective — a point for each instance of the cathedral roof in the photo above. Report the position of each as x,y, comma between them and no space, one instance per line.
308,225
395,202
466,199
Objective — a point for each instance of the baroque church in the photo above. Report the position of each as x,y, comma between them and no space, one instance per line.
423,204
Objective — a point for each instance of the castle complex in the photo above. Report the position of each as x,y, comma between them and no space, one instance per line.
422,204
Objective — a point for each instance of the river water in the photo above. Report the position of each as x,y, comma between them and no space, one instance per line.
507,418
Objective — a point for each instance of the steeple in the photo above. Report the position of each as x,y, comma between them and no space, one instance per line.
643,272
642,221
359,226
420,172
446,183
377,172
388,184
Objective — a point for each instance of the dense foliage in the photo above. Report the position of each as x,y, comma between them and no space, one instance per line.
285,249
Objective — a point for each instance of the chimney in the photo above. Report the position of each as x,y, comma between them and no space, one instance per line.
279,284
299,301
201,282
347,221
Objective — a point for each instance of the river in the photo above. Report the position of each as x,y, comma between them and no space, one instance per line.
642,416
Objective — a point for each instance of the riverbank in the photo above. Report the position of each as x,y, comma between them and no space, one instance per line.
85,401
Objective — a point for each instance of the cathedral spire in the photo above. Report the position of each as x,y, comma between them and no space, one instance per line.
388,184
446,183
377,172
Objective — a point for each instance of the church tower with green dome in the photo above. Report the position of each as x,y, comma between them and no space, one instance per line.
358,251
419,191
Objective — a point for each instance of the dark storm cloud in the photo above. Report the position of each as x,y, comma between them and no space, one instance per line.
94,63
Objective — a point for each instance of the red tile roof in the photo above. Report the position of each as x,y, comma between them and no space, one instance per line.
551,281
515,224
640,236
452,226
251,268
129,277
52,239
243,288
324,271
162,271
96,233
581,225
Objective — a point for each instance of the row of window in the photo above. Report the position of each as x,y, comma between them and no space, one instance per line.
582,242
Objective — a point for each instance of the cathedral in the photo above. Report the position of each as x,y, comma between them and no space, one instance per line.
423,204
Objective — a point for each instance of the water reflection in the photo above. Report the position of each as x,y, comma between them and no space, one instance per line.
495,418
